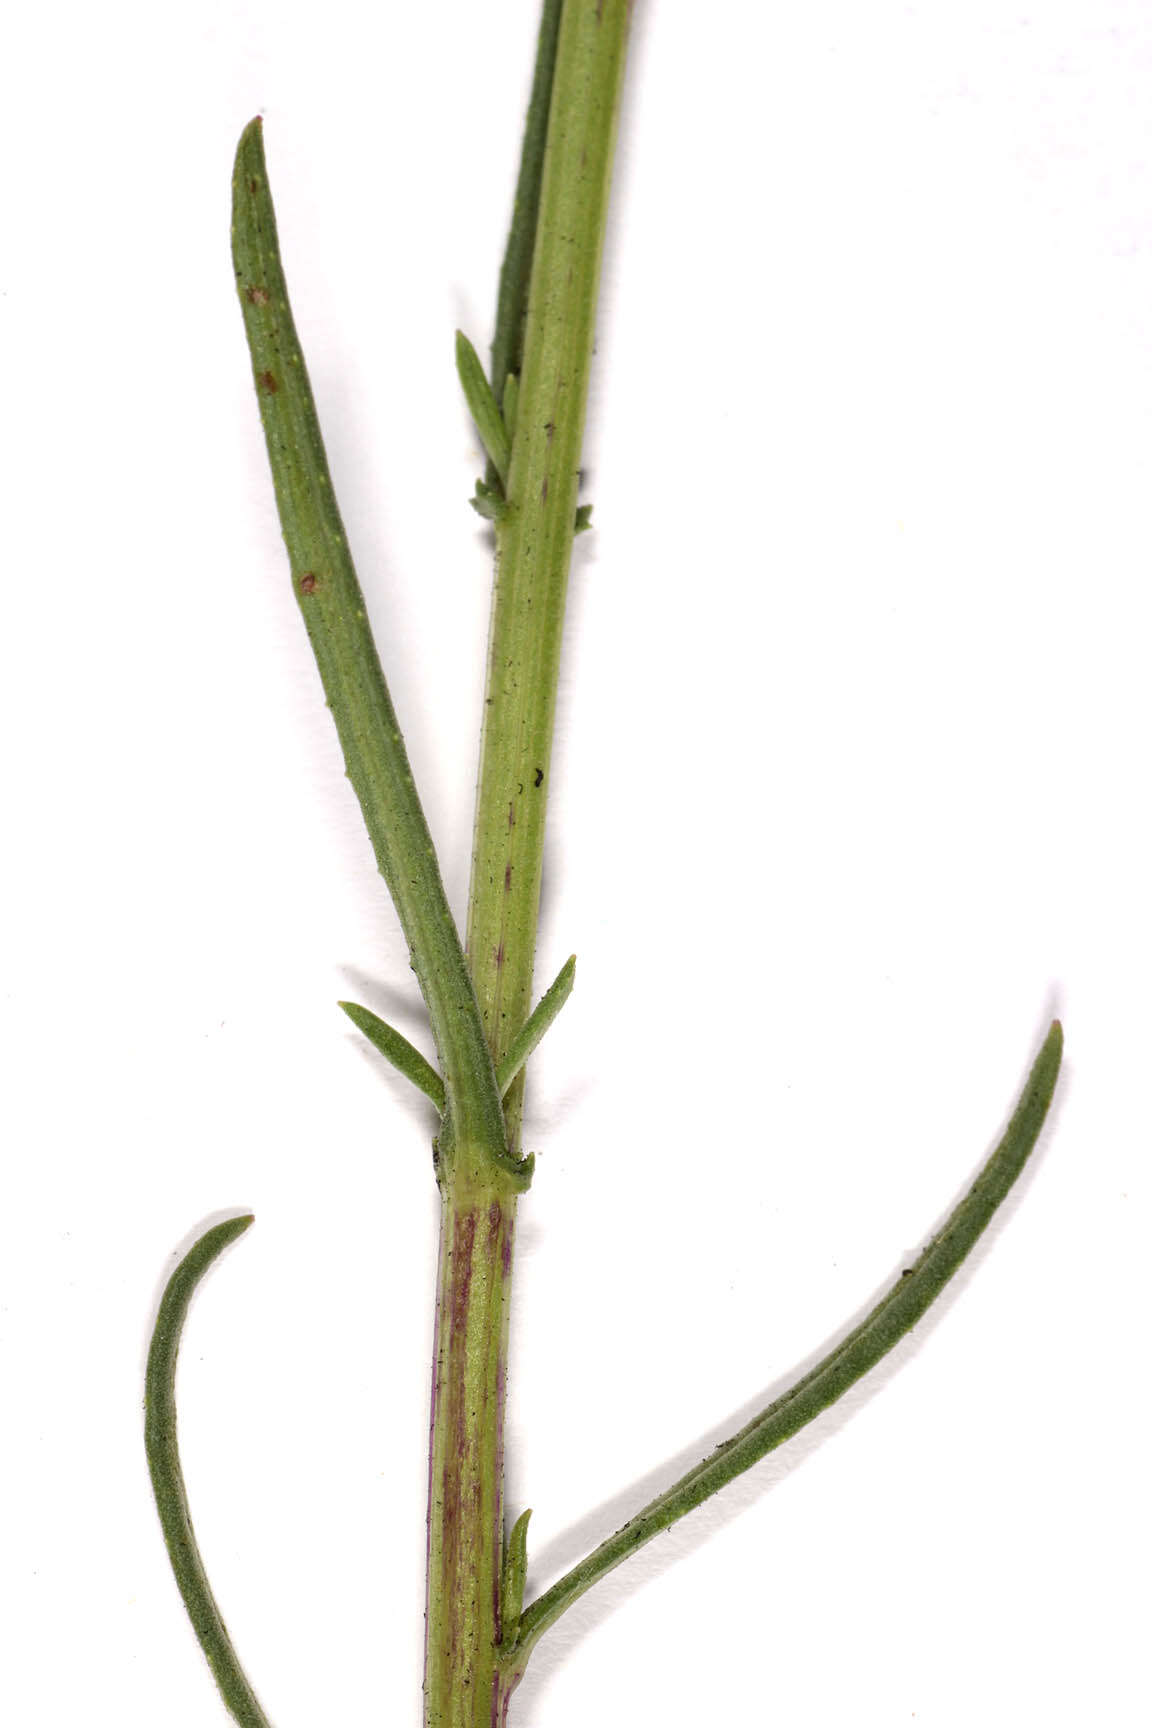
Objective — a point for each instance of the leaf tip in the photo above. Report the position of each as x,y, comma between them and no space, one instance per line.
249,174
253,133
1053,1046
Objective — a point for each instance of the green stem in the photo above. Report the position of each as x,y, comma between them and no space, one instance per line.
892,1318
466,1462
478,1638
478,1171
466,1684
534,536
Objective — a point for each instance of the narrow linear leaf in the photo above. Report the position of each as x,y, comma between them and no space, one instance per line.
891,1319
399,1052
510,403
516,269
536,1025
482,405
514,1572
329,595
160,1441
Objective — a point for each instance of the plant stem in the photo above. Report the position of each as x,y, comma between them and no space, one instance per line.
478,1170
466,1461
479,1635
465,1684
534,538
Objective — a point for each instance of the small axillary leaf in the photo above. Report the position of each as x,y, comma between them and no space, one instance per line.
482,406
514,1572
536,1024
403,1056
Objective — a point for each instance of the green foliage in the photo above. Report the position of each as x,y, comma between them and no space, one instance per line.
893,1317
483,406
536,1025
530,418
160,1442
512,1581
402,1055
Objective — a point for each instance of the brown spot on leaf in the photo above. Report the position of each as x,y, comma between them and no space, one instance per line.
500,955
539,780
268,382
511,815
544,490
308,582
258,296
507,878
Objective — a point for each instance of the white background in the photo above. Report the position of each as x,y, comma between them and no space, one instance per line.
852,792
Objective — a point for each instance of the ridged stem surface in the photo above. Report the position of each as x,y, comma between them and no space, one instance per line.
534,538
466,1461
466,1684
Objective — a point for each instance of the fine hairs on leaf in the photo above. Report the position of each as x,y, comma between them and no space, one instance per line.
529,411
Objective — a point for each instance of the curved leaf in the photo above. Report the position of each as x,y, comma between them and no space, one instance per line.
168,1479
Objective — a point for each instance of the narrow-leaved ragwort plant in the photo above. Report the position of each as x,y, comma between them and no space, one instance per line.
529,409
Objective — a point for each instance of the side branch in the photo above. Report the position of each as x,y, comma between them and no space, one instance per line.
891,1319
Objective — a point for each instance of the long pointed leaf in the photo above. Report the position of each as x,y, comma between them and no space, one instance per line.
328,591
516,270
163,1452
893,1317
